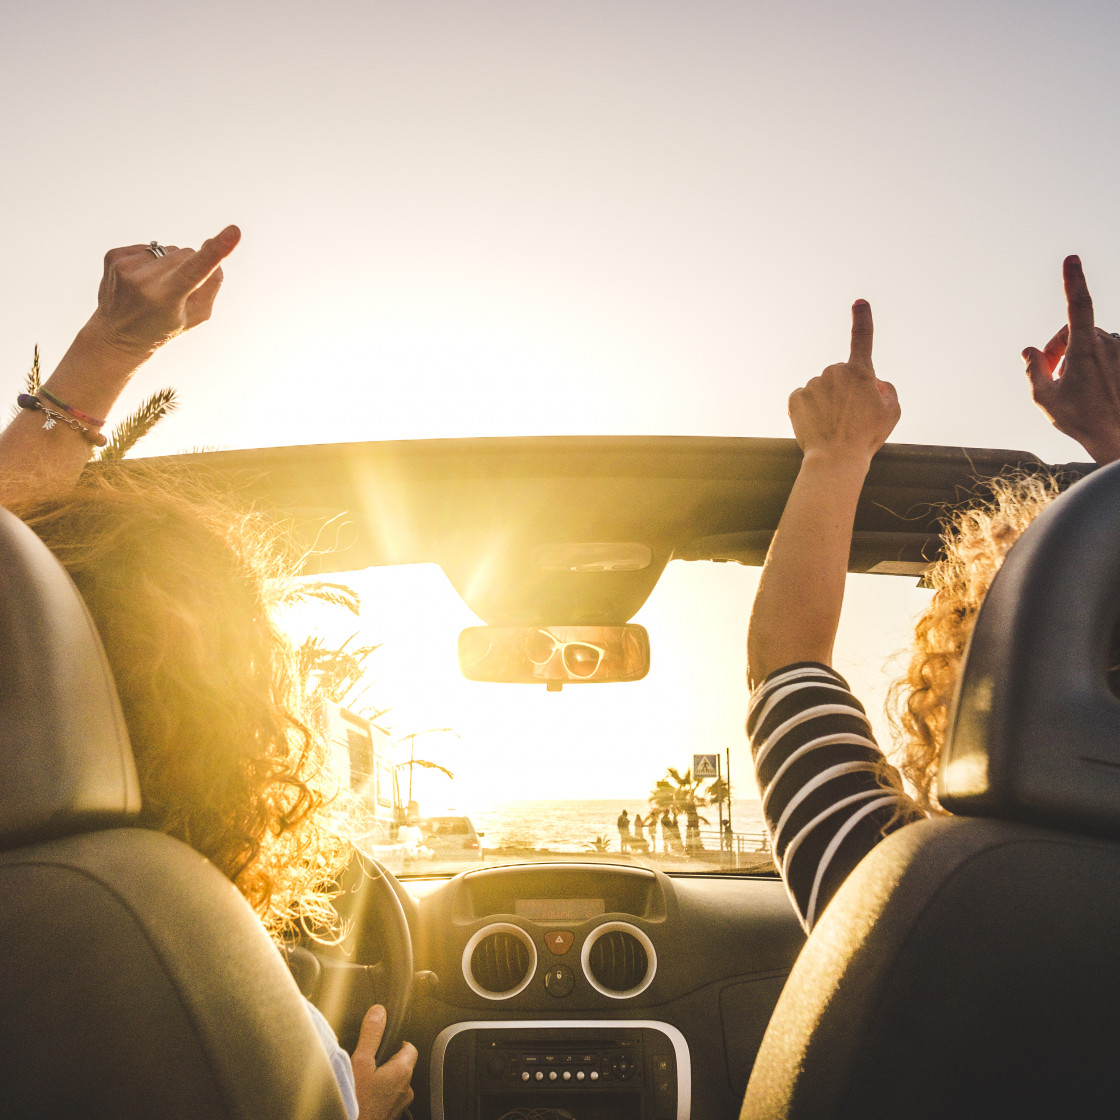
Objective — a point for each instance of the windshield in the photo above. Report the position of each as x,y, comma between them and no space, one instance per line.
589,217
491,772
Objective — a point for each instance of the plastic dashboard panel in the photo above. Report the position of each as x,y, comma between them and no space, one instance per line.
723,947
587,1031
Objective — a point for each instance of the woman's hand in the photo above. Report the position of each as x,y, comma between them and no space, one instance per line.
841,418
145,299
846,412
1080,395
384,1091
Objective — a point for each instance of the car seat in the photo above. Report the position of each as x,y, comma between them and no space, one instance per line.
970,966
135,980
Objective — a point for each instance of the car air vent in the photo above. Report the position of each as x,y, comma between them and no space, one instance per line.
619,960
499,961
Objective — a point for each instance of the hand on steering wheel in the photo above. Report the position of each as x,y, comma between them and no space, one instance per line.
338,979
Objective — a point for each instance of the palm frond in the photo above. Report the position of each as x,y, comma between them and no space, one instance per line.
134,427
427,764
333,672
31,383
34,381
334,594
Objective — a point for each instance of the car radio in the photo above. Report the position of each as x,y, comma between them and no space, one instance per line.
633,1070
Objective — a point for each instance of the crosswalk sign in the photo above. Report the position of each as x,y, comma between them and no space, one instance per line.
705,765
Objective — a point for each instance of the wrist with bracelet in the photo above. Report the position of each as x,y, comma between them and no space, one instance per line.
63,413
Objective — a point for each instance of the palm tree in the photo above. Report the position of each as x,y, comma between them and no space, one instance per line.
678,793
424,763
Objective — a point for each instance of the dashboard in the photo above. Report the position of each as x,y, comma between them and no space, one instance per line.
593,990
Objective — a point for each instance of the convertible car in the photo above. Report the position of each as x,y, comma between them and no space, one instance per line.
969,967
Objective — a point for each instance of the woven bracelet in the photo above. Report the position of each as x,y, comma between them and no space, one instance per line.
33,404
70,408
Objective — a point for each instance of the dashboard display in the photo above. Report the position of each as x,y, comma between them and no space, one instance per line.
558,909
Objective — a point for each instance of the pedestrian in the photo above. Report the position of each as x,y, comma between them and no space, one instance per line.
639,843
623,823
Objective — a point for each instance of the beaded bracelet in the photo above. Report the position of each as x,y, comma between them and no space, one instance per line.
26,400
70,408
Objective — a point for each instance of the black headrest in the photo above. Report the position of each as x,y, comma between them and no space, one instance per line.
65,761
1035,733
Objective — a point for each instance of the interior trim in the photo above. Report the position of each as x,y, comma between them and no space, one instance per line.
641,937
680,1051
481,935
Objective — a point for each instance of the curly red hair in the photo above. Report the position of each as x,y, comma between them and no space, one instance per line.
976,540
183,590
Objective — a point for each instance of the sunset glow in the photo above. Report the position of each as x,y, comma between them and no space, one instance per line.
596,216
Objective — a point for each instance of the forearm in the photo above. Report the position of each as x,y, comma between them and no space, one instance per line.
91,376
800,595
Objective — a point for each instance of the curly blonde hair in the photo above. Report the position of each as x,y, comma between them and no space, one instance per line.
183,590
976,540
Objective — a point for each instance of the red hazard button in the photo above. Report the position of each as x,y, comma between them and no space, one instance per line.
559,941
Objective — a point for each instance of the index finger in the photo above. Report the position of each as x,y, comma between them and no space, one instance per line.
863,332
370,1034
199,267
1079,303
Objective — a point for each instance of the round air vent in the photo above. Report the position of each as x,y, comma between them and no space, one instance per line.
619,960
499,961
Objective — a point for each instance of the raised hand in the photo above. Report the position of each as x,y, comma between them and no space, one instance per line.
1075,378
145,299
847,410
840,418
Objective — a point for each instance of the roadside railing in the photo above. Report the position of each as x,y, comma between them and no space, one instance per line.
731,849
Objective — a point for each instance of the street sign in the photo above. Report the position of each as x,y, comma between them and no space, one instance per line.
705,765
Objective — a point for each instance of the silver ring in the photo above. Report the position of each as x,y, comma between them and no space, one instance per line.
1114,334
156,249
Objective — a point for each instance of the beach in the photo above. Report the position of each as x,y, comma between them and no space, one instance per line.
566,826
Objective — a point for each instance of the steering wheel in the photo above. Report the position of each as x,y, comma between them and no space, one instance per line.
337,978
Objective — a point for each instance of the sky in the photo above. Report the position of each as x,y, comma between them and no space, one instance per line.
498,217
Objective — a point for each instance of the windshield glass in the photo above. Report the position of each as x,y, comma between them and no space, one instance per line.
508,772
595,217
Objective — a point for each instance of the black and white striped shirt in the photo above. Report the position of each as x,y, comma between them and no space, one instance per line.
820,772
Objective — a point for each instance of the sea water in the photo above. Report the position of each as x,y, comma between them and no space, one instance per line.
574,826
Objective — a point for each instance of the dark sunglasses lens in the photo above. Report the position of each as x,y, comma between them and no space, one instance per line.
540,646
580,660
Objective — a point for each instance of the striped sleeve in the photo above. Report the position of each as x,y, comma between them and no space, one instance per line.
825,798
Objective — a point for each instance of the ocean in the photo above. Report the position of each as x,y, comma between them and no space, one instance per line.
572,826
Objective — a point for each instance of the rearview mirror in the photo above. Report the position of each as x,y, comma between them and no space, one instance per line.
554,655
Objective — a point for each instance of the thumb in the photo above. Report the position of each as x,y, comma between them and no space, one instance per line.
373,1027
1040,371
198,267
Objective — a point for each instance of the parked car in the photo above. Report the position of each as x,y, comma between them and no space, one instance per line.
450,838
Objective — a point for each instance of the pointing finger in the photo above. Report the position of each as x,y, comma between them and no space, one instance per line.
1078,300
198,267
863,331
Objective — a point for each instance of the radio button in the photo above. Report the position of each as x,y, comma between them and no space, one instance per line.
552,1075
539,1075
594,1075
580,1075
525,1075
